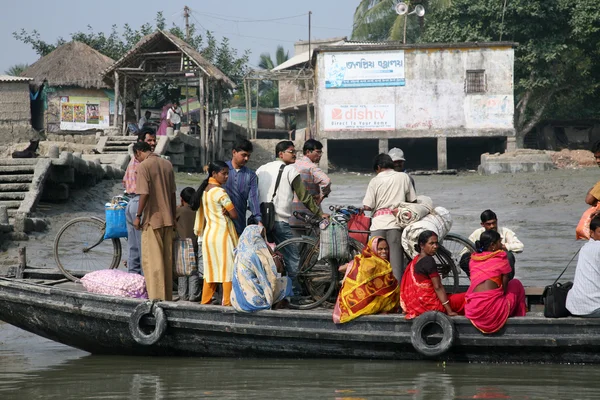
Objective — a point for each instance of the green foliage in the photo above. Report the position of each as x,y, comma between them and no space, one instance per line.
557,61
269,90
15,70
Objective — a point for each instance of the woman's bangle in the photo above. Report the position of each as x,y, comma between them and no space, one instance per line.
446,302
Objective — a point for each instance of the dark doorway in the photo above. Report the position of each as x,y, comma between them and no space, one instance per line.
420,154
352,155
37,98
465,153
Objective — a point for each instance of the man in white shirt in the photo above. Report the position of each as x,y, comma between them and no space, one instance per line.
384,194
144,120
174,116
583,300
290,183
510,243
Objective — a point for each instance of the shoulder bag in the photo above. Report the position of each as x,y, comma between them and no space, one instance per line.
555,296
267,208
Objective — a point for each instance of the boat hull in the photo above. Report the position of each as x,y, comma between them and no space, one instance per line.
101,325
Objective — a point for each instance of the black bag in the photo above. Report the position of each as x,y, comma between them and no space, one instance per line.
267,209
555,300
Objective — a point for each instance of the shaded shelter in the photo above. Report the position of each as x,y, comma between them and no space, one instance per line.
163,57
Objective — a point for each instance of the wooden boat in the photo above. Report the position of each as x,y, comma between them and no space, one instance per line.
108,325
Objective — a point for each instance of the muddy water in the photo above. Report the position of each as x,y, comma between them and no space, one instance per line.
542,208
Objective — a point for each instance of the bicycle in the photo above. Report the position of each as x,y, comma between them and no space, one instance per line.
80,247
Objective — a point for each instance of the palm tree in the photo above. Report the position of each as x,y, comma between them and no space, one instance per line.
376,20
269,90
16,70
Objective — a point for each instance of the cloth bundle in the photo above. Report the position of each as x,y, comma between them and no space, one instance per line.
334,240
114,282
439,221
409,213
184,257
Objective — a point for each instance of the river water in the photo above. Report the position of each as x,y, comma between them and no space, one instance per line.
542,208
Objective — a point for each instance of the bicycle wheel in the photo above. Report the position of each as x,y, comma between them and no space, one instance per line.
447,269
317,277
79,248
457,245
355,248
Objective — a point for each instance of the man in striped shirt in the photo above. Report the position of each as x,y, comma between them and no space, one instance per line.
242,185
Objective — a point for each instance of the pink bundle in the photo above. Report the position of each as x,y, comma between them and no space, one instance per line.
114,282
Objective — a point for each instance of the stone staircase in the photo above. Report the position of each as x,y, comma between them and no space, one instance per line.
115,144
16,176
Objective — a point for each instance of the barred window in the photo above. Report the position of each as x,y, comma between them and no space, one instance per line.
475,81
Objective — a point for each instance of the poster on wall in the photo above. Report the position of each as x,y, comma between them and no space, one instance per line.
364,69
66,112
79,113
363,117
93,114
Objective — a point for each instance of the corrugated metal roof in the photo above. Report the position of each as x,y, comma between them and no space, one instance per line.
10,78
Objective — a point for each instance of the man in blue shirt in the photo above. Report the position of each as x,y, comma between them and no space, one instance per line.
242,185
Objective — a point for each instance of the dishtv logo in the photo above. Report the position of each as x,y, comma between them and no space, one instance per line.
363,113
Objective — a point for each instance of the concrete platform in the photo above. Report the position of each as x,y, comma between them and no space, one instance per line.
518,161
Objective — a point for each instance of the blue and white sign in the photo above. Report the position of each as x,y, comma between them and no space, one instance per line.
364,69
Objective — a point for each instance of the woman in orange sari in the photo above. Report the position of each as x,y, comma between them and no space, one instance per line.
491,297
421,289
369,286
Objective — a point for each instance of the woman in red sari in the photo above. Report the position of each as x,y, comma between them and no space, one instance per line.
491,297
369,286
421,289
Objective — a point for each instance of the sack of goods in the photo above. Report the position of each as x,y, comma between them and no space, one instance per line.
184,257
409,213
116,223
334,239
439,221
113,282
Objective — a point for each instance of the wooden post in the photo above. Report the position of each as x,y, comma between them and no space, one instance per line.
256,129
116,120
220,119
215,135
187,102
307,133
202,127
22,263
248,109
124,106
207,118
138,101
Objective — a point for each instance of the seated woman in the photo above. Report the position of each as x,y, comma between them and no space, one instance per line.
369,286
492,298
421,289
256,283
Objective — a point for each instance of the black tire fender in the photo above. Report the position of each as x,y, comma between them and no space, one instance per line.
426,319
159,330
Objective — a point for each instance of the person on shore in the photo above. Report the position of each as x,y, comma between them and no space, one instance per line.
421,289
510,243
155,184
214,224
174,116
242,185
144,120
492,298
593,195
134,236
397,156
384,193
369,286
188,287
317,183
583,300
290,184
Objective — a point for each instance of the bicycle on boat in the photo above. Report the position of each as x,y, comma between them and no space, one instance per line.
80,247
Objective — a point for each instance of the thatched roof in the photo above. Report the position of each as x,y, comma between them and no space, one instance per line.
166,41
71,64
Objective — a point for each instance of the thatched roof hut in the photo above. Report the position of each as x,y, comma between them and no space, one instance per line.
71,64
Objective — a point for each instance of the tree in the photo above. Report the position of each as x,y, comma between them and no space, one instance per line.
15,70
115,45
557,60
269,90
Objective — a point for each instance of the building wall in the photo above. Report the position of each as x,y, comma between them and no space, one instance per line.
432,102
77,109
15,112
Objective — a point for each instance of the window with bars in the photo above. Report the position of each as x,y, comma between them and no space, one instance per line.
475,81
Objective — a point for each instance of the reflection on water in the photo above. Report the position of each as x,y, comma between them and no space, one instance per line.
31,368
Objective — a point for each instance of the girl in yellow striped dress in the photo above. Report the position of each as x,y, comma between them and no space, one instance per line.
215,226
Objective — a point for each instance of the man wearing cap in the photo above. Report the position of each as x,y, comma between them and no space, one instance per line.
398,159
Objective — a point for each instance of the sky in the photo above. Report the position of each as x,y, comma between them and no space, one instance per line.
244,22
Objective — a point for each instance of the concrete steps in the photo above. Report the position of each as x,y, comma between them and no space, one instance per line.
12,195
14,187
10,178
16,176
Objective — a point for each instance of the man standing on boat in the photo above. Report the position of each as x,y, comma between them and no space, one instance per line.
510,243
155,185
317,183
583,300
593,195
134,237
290,184
397,156
242,185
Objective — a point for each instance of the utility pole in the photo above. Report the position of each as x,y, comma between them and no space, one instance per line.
309,58
186,15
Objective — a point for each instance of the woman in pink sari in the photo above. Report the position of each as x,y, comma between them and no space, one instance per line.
162,128
492,298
